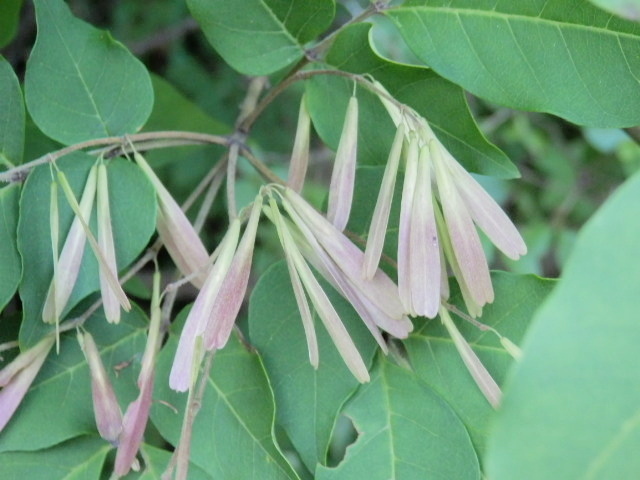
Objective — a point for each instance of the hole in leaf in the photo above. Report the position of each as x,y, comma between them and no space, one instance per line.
344,435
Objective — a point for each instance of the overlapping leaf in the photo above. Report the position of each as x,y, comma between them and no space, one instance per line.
436,361
559,56
11,116
233,433
406,431
258,37
308,400
156,463
441,102
80,83
570,409
9,257
133,210
77,459
58,406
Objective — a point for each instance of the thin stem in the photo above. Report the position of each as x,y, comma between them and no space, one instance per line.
174,137
265,171
326,42
180,458
232,163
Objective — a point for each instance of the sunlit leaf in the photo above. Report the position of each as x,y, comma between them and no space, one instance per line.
543,56
570,408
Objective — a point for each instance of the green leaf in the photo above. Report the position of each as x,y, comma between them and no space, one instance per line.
543,56
233,433
80,83
9,20
308,400
11,116
133,213
406,431
629,9
78,459
305,19
259,37
436,361
58,406
441,102
9,257
570,408
156,461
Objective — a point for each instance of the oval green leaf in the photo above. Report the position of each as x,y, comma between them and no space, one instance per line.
571,407
259,37
80,83
564,57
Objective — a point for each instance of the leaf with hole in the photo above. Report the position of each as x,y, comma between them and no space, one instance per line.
308,400
405,431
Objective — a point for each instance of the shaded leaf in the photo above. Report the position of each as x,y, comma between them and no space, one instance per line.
80,83
156,461
543,56
58,406
11,269
9,20
570,408
11,116
308,400
233,432
78,459
133,213
406,432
